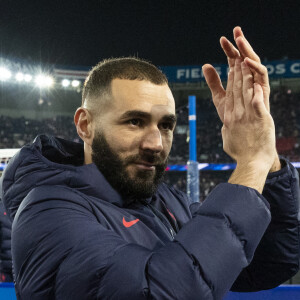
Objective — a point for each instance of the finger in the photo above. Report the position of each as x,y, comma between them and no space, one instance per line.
247,88
258,101
259,69
231,52
263,78
237,31
213,80
245,48
215,85
229,86
228,107
230,79
228,111
238,90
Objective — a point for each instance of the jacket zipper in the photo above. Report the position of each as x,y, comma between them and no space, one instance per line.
163,219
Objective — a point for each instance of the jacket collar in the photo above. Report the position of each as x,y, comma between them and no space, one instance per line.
54,161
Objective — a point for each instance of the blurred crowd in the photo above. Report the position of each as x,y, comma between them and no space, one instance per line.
207,180
285,110
16,132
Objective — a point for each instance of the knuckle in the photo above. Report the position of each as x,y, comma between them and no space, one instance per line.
236,90
248,77
248,96
264,69
229,94
239,84
239,114
230,75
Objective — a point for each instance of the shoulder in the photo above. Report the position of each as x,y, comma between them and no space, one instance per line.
46,199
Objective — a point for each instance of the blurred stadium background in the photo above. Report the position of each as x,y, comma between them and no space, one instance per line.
37,99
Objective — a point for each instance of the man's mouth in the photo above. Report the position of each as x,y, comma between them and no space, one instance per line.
145,165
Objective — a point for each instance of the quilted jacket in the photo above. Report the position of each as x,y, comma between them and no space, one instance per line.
75,237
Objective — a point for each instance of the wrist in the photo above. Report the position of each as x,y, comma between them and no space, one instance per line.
264,165
276,165
252,174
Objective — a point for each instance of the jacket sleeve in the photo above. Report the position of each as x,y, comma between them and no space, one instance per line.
5,246
60,242
277,256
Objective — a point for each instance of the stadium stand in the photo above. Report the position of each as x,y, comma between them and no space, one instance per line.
27,112
17,131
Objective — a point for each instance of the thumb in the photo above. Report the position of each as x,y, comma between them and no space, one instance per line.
258,101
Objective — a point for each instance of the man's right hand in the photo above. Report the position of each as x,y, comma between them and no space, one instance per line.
248,128
252,60
248,132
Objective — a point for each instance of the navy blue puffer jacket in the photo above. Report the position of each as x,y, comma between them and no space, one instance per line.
74,237
5,246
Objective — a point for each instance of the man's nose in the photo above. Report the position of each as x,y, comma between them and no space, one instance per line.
152,141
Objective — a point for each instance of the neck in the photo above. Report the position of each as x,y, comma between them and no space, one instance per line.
87,154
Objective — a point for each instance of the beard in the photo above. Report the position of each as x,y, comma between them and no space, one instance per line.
142,184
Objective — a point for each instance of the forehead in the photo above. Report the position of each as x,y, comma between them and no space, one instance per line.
141,95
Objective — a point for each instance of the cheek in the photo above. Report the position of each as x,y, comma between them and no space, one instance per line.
167,143
123,142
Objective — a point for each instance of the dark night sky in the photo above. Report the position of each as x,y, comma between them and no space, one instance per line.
164,32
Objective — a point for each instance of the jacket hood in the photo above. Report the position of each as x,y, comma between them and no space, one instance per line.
52,161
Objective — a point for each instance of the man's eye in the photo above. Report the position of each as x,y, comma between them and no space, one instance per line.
166,126
135,122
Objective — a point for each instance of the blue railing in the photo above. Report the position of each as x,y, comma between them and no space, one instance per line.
283,292
7,291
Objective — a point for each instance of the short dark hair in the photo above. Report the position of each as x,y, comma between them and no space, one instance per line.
131,68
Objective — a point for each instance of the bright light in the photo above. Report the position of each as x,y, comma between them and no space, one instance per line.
65,82
4,74
20,76
75,83
27,77
44,81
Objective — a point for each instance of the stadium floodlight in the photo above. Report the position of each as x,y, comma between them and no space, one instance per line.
44,81
19,76
75,83
65,83
27,77
4,74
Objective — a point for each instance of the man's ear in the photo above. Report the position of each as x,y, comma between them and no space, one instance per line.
84,125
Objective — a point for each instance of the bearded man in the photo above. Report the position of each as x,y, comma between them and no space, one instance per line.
96,222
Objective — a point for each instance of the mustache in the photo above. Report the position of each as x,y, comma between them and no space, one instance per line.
149,158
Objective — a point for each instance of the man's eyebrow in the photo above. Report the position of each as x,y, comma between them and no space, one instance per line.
169,118
142,114
135,114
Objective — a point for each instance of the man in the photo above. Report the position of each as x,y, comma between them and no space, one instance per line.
95,222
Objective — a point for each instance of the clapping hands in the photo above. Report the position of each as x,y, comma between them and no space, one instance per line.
248,129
